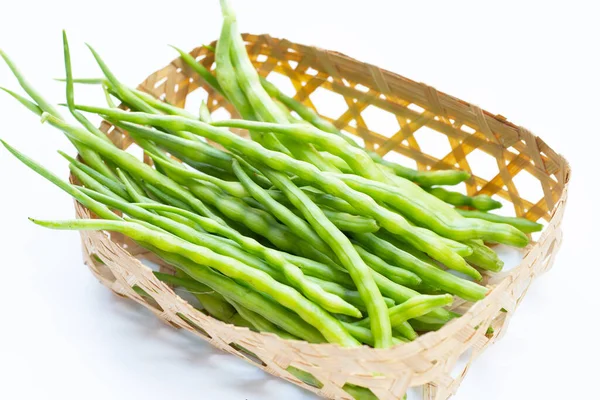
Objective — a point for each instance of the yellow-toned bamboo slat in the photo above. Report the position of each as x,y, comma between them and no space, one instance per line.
430,360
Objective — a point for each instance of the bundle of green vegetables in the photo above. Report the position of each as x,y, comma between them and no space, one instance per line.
297,231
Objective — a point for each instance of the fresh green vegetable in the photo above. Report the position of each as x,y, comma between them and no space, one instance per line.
295,232
481,202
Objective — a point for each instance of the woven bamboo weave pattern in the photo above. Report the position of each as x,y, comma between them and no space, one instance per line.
416,108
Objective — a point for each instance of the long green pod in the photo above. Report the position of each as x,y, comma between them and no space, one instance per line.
338,162
162,105
393,222
484,257
361,393
480,202
522,224
90,182
226,76
99,209
400,294
364,335
292,273
202,152
231,290
134,190
30,105
212,155
351,296
114,185
433,213
321,270
200,70
351,223
413,308
394,273
329,327
204,113
447,177
121,90
222,310
422,326
71,94
162,197
296,224
130,163
233,188
260,323
345,252
427,272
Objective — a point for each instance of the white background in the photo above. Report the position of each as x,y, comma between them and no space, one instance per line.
64,336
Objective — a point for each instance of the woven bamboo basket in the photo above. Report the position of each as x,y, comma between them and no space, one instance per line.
431,360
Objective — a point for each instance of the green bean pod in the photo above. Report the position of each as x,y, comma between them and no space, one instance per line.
522,224
364,335
480,202
260,323
162,197
113,185
413,308
351,296
233,188
394,273
200,70
88,181
484,257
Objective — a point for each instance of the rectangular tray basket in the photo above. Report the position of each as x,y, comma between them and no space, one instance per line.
363,96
